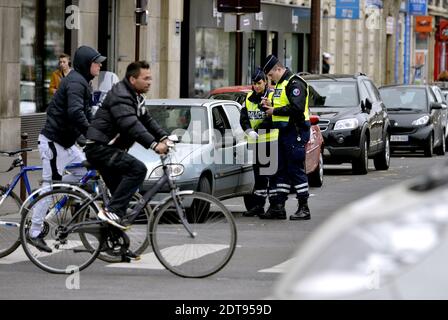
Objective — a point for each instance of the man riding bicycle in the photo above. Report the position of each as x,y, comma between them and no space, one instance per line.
121,121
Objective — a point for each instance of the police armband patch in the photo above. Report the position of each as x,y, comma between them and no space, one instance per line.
296,92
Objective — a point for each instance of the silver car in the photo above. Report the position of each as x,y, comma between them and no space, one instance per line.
212,154
390,245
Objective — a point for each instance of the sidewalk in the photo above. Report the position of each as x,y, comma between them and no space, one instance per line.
34,177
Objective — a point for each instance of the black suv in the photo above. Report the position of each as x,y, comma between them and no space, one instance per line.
353,120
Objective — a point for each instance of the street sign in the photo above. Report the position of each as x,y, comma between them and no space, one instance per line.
347,9
239,6
373,21
418,7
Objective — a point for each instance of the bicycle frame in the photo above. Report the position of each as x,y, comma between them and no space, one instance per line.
142,203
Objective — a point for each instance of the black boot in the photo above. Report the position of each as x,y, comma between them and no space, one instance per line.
303,212
275,211
255,211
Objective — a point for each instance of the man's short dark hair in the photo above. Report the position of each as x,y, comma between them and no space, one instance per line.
133,70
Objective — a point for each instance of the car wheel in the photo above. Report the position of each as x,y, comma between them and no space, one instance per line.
429,147
249,201
360,165
198,209
440,150
382,160
316,178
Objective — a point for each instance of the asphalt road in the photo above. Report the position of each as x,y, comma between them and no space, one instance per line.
264,247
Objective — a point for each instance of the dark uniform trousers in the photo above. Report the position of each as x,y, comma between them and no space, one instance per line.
291,164
263,170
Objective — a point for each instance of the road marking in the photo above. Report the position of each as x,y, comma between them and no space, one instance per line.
280,268
188,252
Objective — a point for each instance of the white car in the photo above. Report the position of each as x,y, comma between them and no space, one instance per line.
390,245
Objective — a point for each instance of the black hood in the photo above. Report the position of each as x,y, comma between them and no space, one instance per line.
83,60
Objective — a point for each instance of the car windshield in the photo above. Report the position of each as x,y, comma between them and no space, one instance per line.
404,98
189,123
335,93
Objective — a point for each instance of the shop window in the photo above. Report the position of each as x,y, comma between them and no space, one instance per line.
212,63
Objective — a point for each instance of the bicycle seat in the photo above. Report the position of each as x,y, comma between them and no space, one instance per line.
88,165
13,153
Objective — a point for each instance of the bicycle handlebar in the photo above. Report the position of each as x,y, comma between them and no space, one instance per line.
13,153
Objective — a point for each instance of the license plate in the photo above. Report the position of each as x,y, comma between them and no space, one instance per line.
400,138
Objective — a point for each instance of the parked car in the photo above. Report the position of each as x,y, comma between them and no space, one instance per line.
314,159
353,120
212,154
417,119
392,244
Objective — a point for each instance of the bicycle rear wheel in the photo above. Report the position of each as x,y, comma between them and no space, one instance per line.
208,251
9,222
138,233
69,252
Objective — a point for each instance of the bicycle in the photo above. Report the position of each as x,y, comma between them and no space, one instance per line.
11,205
192,234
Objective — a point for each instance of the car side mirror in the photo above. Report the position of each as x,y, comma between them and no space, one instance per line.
366,105
435,106
314,120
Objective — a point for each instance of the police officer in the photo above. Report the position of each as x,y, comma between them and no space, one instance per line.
290,114
259,137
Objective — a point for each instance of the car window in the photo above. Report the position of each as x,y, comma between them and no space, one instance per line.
234,117
363,91
438,95
404,97
373,92
336,93
431,96
221,125
187,122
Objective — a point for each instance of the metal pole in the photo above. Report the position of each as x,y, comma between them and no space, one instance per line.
238,62
23,145
314,54
138,6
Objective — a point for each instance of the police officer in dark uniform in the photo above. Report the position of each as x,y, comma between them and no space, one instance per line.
260,137
290,114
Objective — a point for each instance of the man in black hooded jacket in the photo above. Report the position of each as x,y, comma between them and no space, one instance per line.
121,121
68,116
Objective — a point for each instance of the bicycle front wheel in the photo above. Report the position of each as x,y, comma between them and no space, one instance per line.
51,213
203,254
9,222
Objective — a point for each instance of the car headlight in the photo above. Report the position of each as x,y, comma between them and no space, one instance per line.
421,121
346,124
369,253
174,170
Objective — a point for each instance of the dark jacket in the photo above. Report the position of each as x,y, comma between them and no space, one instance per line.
69,112
244,117
121,114
296,91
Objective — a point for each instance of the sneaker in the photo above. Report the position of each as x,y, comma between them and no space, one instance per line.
111,218
39,243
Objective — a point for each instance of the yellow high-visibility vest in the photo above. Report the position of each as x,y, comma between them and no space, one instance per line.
256,117
279,99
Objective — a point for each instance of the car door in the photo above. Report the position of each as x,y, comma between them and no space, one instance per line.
441,99
246,179
375,117
436,117
227,172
